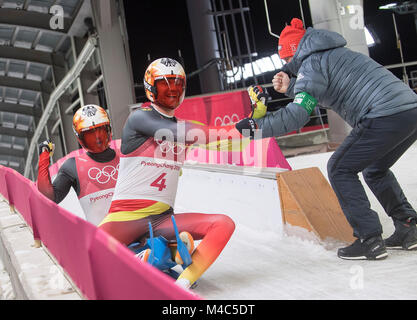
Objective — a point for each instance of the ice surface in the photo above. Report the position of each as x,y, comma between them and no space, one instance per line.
6,289
262,262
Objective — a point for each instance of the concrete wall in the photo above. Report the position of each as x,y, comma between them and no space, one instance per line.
32,272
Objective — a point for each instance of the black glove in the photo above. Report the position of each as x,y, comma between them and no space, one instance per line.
247,127
48,146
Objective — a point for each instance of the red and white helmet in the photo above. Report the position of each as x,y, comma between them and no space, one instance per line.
165,83
91,125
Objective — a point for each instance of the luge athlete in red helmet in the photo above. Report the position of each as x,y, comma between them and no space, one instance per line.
93,175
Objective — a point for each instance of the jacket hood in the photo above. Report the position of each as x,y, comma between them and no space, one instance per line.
315,40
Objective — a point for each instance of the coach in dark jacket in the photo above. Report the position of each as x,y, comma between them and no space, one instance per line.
382,111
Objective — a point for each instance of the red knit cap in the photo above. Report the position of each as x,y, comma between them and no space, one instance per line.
290,38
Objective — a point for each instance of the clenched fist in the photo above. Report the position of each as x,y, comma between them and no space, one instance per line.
47,146
281,81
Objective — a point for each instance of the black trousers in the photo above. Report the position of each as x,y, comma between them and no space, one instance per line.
372,148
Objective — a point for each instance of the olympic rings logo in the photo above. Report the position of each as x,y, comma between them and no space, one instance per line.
167,146
226,120
104,175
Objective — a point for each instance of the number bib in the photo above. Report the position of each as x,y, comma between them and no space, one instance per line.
146,176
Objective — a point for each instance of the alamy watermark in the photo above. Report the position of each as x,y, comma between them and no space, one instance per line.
355,12
202,144
357,280
57,20
356,21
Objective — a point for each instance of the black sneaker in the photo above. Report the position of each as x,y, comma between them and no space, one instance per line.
369,249
404,236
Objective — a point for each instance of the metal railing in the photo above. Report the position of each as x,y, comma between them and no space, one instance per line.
72,75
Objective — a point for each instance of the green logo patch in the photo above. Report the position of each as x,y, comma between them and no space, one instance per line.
306,101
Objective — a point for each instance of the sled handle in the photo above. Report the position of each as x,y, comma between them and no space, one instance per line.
182,249
152,258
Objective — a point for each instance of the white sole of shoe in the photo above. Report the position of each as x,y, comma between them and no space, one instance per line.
353,258
379,257
412,247
395,248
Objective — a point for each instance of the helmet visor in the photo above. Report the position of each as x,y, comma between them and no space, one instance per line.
170,91
96,140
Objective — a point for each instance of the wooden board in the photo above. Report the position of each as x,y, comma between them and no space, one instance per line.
308,201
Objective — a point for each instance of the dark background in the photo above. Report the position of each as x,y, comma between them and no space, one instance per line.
161,28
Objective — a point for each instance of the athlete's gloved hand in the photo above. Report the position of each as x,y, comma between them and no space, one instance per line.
258,97
48,146
247,127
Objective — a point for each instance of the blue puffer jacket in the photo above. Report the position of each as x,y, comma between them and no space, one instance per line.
348,82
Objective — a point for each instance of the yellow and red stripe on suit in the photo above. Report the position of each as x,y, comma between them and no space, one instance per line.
139,209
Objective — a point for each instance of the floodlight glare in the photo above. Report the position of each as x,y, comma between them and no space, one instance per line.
369,39
260,66
247,71
277,61
388,6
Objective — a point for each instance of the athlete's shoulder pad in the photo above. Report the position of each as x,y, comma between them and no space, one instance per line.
68,166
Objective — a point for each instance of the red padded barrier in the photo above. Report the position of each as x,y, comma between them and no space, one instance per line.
99,265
